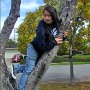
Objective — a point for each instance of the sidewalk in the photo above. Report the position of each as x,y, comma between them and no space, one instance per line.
61,73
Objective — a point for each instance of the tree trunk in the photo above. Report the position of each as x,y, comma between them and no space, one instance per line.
6,82
46,59
71,58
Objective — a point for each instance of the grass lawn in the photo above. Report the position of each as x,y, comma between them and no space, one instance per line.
68,63
65,86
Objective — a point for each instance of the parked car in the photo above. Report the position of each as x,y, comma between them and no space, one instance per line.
16,58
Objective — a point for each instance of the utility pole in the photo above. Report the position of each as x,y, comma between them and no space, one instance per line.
15,34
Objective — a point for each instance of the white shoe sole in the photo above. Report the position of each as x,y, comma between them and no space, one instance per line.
12,72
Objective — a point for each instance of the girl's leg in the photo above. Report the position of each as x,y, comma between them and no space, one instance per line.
30,64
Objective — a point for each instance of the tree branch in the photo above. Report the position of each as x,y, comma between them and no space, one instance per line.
11,19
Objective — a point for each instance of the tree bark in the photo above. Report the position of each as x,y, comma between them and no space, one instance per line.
46,59
6,82
71,58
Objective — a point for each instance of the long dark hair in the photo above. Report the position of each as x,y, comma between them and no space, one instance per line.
53,13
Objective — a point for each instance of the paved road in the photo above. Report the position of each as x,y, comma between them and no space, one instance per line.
62,73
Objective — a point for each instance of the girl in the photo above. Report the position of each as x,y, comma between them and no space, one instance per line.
44,41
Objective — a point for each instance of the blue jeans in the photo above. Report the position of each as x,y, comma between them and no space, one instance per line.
27,68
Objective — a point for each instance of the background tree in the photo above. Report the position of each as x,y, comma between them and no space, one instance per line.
63,49
58,4
78,19
82,40
82,16
11,44
83,7
27,30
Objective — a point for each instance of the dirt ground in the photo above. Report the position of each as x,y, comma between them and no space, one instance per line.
65,86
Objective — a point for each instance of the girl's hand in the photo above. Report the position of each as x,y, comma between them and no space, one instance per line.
58,40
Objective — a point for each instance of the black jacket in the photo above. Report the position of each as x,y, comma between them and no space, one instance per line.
44,40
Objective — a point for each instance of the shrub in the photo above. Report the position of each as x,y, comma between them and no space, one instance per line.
23,61
76,58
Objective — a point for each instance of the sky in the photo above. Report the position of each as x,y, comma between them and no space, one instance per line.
26,6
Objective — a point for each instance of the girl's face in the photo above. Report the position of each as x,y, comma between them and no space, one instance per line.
47,17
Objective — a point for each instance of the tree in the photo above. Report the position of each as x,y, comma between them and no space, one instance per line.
83,7
82,40
79,18
42,66
6,82
82,15
46,59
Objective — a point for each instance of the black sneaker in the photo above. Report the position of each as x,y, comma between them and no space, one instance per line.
12,72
